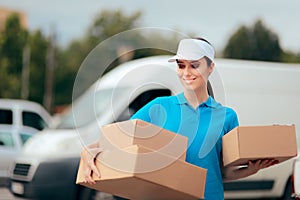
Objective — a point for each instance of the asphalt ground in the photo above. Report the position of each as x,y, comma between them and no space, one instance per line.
6,195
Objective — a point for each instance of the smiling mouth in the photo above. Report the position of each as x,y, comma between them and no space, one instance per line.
190,80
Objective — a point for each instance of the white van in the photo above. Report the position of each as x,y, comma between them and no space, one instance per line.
296,179
262,93
19,120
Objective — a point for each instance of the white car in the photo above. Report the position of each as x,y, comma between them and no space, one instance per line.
19,120
262,93
296,179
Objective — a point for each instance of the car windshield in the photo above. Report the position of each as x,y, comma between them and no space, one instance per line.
89,106
6,139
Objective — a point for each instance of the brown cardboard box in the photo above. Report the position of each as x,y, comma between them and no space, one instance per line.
132,178
246,143
131,132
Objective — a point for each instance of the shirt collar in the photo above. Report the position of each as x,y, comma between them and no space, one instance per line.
210,102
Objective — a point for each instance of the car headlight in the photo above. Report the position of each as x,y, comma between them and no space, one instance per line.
53,144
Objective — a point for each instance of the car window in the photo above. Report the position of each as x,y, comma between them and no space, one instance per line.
90,106
24,137
6,116
140,101
6,139
33,120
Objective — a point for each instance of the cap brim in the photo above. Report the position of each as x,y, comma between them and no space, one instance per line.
177,57
174,58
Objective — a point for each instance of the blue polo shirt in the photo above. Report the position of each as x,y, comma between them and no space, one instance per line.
204,127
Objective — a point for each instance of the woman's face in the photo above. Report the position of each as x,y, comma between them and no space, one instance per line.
194,74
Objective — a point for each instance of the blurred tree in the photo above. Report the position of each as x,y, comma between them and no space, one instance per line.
13,41
107,24
69,60
65,73
38,47
290,57
12,45
254,43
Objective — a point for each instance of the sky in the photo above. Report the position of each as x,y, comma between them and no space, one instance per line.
216,20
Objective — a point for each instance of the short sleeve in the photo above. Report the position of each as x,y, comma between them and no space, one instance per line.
232,120
145,112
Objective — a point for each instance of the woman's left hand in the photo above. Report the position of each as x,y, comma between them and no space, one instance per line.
255,166
236,172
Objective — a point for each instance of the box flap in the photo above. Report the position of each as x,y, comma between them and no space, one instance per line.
230,149
160,139
131,132
119,134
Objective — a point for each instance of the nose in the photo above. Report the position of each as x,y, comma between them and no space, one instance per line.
187,71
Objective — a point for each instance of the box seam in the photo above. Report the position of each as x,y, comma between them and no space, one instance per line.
166,187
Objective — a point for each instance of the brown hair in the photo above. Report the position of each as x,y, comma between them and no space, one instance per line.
209,61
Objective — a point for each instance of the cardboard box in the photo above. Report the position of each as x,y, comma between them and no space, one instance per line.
246,143
132,178
131,132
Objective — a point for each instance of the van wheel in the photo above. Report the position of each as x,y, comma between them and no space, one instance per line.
89,194
85,194
287,195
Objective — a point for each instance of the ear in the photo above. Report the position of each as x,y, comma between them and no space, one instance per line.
211,68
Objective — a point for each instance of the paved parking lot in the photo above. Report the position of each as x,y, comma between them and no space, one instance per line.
6,195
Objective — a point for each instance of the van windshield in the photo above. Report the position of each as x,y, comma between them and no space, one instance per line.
86,109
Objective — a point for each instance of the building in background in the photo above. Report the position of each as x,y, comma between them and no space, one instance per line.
5,13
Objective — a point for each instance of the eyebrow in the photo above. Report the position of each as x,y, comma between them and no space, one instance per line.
190,61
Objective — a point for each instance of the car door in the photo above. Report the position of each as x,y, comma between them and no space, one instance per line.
11,141
9,148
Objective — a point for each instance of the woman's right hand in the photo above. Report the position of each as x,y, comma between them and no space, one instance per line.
88,159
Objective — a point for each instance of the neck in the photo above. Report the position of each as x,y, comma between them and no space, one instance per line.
196,97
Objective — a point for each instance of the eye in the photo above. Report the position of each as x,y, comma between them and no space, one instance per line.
180,65
195,65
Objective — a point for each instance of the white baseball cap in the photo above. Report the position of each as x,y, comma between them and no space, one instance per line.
193,49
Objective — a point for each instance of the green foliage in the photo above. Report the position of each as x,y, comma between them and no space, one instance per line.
290,57
13,39
65,72
254,43
106,24
38,49
109,23
10,85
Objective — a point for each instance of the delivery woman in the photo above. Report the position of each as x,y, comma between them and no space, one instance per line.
194,114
